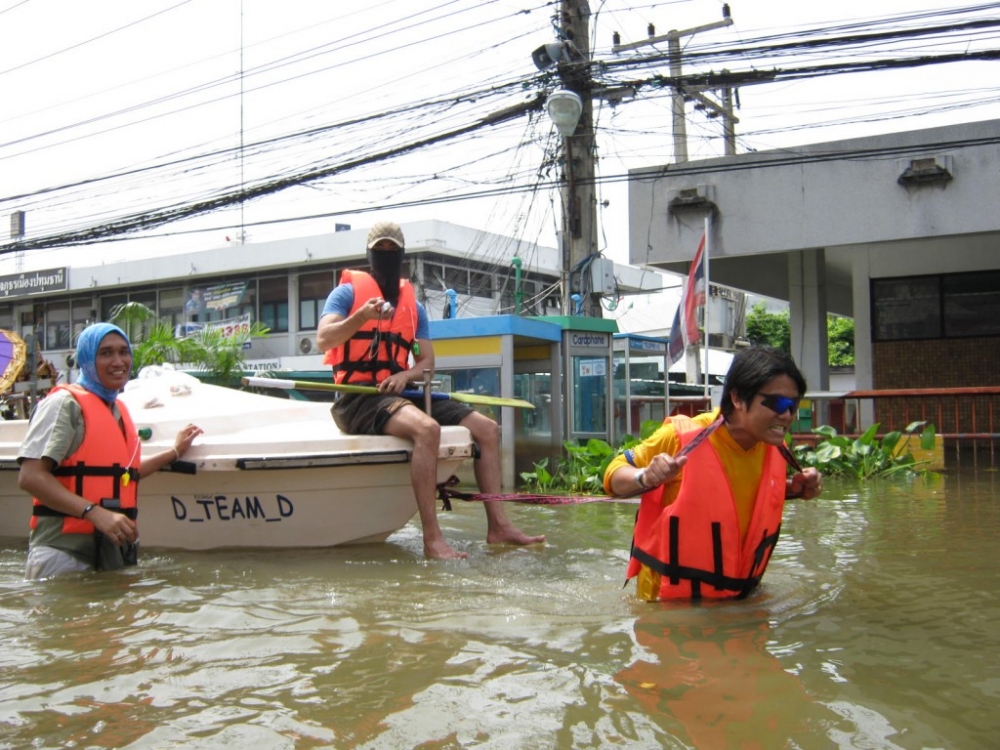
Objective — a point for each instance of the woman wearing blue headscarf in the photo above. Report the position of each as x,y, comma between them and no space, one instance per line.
81,462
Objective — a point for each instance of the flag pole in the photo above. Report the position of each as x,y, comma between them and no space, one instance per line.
708,296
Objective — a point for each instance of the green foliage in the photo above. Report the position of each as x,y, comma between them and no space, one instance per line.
160,346
223,356
771,329
840,341
774,329
582,468
135,319
866,457
154,343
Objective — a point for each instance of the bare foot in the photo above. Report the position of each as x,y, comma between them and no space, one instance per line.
441,550
511,535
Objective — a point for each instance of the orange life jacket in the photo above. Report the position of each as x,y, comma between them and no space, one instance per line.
97,470
380,347
694,544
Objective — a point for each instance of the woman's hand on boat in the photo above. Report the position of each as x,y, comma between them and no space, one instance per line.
185,437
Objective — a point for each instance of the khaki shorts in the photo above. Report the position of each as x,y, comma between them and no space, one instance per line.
363,414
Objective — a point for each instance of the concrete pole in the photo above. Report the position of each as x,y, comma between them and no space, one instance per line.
677,101
580,195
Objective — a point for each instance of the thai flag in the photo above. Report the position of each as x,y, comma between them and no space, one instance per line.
684,331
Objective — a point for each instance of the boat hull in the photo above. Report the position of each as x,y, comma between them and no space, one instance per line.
267,473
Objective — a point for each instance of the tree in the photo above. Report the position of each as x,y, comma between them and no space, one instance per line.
154,342
774,329
771,329
840,339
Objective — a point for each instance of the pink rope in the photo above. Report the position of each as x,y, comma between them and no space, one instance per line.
445,493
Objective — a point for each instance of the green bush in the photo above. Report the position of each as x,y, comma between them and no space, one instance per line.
867,456
581,469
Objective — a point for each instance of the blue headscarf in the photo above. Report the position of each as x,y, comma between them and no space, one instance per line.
86,356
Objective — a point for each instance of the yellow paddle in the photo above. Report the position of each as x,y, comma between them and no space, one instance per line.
305,385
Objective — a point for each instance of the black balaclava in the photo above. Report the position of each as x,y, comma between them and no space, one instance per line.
387,265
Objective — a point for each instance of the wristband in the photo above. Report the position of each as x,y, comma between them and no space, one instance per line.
177,453
87,510
639,476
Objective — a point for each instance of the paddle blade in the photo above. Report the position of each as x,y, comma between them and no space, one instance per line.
476,398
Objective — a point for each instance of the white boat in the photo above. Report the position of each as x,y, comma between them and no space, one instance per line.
268,472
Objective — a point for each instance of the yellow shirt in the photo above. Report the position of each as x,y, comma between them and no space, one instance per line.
742,467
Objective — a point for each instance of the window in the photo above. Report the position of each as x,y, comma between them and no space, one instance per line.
223,300
109,303
28,322
7,317
57,326
906,308
972,304
928,307
274,304
171,307
81,315
457,279
480,284
314,288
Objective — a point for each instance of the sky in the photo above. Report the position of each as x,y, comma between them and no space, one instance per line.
120,109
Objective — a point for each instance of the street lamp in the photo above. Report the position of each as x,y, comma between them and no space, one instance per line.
564,108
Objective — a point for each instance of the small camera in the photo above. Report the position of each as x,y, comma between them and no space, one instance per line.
386,307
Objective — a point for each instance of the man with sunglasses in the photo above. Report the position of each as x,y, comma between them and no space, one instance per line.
714,485
374,332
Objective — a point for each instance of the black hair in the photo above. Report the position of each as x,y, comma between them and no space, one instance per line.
752,368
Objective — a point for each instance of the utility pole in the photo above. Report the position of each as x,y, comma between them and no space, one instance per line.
681,94
579,224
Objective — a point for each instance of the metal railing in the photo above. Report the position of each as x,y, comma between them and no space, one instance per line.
966,418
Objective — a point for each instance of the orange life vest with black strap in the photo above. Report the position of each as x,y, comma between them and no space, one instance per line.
694,544
98,469
380,347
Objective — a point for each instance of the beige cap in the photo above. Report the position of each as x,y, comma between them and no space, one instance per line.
385,230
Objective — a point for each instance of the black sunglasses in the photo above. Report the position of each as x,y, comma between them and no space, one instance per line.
779,404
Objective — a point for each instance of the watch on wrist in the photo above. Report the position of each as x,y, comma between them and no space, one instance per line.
87,510
639,476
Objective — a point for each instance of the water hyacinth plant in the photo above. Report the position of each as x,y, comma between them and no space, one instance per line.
582,468
867,456
864,457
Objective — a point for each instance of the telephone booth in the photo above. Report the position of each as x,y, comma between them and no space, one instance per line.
641,391
510,356
586,351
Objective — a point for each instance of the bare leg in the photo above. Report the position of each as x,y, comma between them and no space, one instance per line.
411,423
499,529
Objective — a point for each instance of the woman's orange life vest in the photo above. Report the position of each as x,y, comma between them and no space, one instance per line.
109,452
694,543
380,347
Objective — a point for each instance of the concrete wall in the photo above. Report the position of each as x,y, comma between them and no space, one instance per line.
836,196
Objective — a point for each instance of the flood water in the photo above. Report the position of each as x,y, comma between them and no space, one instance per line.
878,626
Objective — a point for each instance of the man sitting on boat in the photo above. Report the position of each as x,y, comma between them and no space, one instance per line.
81,461
372,328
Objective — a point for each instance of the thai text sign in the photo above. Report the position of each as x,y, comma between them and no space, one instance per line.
33,282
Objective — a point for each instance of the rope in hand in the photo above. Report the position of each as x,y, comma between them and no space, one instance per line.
445,493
